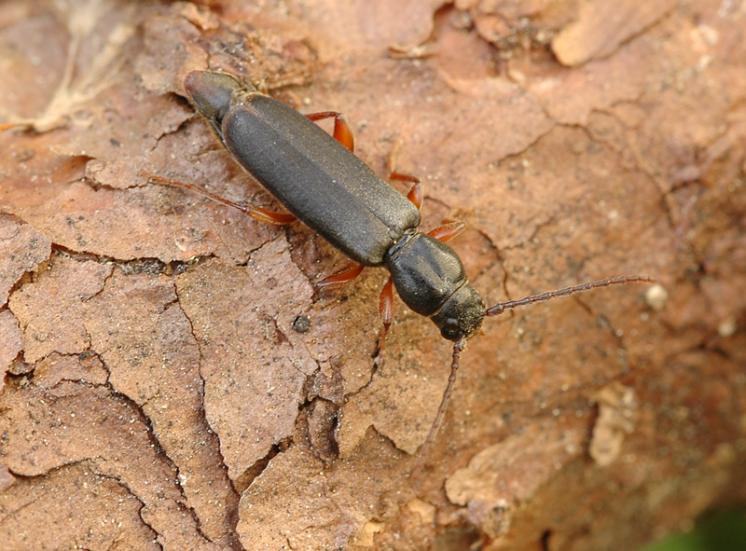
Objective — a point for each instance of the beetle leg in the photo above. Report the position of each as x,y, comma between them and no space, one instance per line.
415,193
394,175
260,214
267,216
8,125
342,132
340,278
447,231
386,308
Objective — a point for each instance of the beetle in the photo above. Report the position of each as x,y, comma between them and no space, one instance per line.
320,181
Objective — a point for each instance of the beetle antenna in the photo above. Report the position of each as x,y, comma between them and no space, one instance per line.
500,307
458,346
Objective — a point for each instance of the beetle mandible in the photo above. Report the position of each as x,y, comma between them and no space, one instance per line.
321,182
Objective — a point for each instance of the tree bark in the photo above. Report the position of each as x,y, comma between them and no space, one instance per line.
172,380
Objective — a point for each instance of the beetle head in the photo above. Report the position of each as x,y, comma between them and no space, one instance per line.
461,314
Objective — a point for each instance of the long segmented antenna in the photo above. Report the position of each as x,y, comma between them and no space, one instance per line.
500,307
435,427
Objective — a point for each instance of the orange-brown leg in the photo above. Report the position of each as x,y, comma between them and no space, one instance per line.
386,308
447,231
342,132
9,125
340,278
415,193
260,214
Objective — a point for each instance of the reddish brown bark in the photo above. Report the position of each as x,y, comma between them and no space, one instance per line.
163,385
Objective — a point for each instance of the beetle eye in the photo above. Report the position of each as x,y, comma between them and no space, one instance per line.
451,329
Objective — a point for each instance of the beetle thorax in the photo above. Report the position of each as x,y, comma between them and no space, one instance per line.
430,279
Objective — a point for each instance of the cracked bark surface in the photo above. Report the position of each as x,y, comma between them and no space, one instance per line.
157,389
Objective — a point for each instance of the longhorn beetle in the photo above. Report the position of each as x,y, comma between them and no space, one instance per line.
322,183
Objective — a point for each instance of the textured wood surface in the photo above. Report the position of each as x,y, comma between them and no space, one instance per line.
162,385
